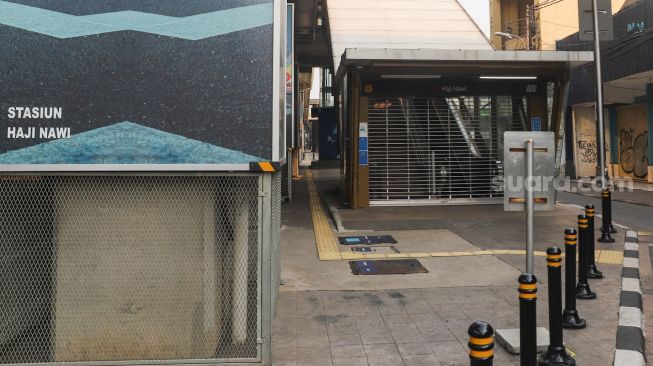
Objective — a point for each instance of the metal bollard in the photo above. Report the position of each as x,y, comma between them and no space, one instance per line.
527,319
592,271
606,226
609,210
570,317
583,290
481,344
556,354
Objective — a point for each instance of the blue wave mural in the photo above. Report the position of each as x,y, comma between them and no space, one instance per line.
194,27
126,143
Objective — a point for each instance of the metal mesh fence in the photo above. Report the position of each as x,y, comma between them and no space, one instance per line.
120,268
277,183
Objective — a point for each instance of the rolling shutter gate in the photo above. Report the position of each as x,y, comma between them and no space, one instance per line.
441,150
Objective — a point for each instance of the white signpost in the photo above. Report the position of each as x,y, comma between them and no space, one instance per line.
529,172
529,169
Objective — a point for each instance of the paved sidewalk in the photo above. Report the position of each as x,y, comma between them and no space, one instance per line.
327,316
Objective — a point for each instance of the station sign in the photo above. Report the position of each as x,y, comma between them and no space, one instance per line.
140,85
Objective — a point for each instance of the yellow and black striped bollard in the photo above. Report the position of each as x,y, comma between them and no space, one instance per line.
528,319
570,317
606,211
583,290
481,344
556,354
592,271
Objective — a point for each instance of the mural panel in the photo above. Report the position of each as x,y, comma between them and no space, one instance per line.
135,82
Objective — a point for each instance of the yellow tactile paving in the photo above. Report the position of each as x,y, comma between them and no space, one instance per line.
328,247
645,233
609,257
327,244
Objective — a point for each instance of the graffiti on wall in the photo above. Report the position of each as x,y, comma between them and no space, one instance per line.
633,152
587,151
588,147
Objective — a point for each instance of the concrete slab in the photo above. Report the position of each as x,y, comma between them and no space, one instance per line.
419,241
509,339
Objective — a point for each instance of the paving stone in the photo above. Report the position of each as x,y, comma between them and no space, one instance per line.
369,321
314,356
309,304
355,361
386,361
405,333
347,351
421,360
431,316
376,335
397,319
451,312
446,348
345,339
313,340
342,328
413,349
381,350
284,356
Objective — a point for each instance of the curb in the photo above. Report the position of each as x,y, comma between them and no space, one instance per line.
645,204
630,333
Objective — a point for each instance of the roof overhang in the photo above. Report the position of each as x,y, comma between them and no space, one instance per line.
627,89
465,62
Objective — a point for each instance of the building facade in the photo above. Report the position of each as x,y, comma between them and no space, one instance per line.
628,96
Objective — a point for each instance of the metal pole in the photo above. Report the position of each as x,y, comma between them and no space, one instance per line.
528,27
599,95
529,206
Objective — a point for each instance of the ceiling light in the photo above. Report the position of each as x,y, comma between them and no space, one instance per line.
509,77
410,76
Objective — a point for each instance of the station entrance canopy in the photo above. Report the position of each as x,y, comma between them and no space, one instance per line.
426,126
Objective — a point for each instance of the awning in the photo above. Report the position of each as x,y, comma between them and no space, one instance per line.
465,62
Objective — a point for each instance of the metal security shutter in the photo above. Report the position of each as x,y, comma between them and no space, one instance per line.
439,150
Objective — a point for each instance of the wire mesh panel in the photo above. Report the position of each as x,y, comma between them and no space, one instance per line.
121,268
439,150
277,183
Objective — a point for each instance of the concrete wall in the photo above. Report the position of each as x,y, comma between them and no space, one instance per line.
585,141
138,274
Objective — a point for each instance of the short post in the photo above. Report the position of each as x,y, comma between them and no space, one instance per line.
592,271
481,344
570,317
583,290
527,319
606,226
556,354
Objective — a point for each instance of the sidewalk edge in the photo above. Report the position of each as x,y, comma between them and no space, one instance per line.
630,346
